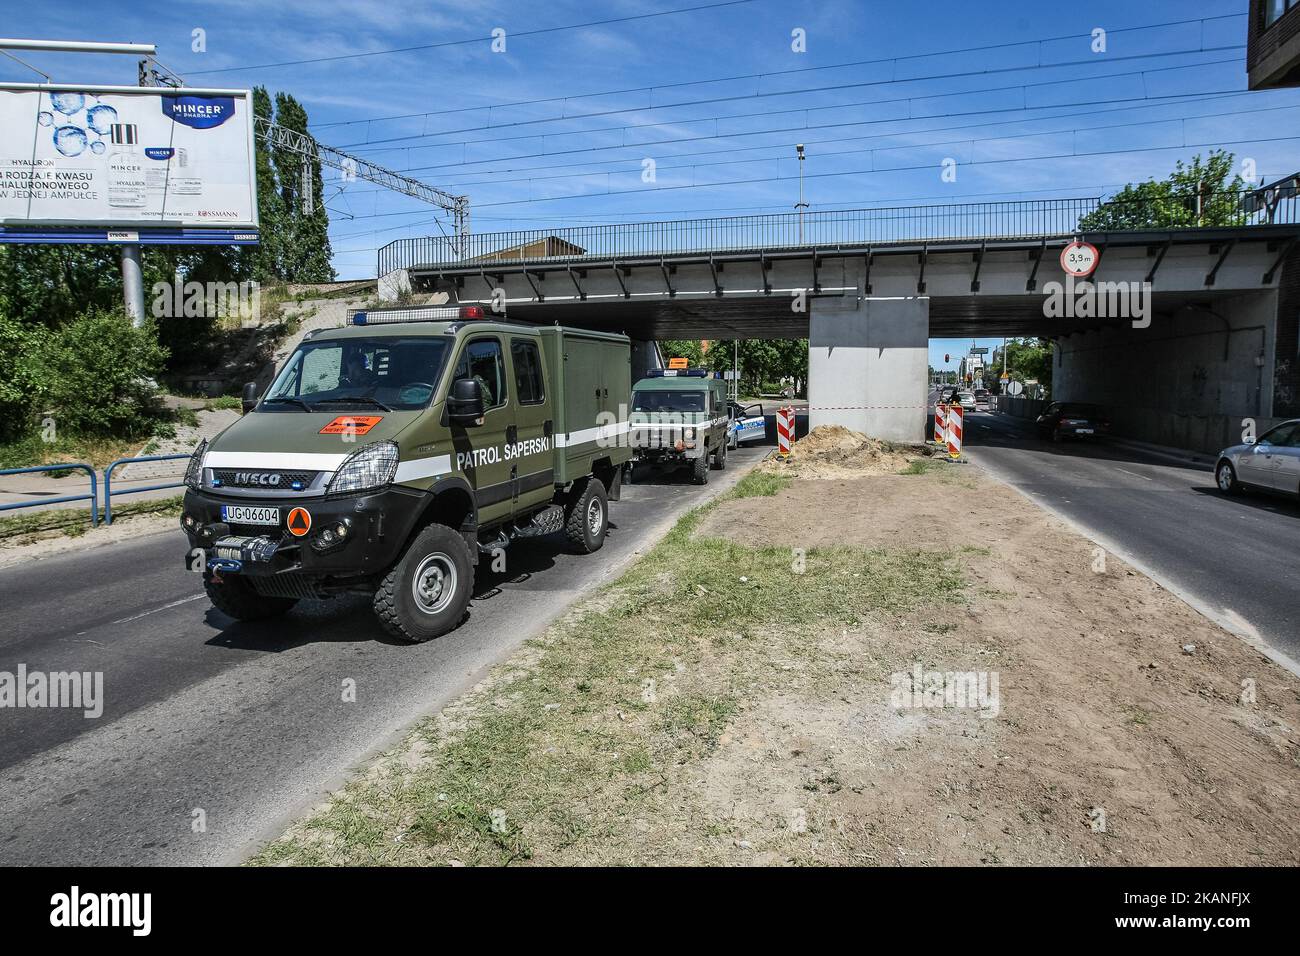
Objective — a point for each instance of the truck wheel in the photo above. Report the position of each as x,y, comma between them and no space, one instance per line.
700,470
587,518
234,597
720,457
425,594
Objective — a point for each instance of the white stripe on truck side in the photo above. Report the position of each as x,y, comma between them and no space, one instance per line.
423,468
611,430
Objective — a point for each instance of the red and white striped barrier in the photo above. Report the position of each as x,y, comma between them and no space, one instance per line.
940,424
784,431
955,421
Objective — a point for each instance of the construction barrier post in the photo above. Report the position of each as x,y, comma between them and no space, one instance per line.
784,431
956,418
940,424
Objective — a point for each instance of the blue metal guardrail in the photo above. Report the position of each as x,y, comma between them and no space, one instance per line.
93,497
108,481
1015,219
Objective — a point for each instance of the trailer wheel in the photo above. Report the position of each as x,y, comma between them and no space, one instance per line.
425,594
586,517
234,597
700,469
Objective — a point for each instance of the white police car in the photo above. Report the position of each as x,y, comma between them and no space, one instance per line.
747,424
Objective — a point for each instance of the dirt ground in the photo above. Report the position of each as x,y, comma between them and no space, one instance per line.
914,665
1112,743
833,451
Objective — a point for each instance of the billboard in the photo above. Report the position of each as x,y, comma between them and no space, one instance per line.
126,162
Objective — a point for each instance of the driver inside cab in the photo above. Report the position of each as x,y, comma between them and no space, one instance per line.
356,374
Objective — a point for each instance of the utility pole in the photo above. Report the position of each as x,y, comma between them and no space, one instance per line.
800,205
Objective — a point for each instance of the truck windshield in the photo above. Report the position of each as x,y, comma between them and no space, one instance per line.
393,373
656,401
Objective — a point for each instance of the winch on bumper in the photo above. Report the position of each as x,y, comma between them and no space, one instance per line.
344,537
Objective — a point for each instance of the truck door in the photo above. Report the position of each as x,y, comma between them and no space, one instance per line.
531,442
480,451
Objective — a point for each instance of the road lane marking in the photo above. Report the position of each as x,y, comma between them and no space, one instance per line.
1134,474
155,610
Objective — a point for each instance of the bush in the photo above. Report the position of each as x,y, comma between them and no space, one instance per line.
18,386
96,375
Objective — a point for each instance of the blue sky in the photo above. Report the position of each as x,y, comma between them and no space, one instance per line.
876,133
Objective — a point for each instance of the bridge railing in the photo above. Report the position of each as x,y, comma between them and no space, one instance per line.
1018,219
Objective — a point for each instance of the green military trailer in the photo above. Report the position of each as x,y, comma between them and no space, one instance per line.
388,455
680,418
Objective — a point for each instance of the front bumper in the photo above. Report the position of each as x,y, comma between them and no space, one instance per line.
377,527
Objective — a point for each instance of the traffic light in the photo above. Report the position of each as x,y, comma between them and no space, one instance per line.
946,358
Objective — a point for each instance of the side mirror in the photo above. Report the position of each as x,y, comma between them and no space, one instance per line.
249,399
465,404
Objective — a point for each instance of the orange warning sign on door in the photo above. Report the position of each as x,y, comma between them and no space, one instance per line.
351,425
299,522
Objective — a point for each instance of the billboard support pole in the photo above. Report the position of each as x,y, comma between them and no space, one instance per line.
133,283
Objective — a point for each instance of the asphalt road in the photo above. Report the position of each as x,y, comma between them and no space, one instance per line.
243,725
1236,558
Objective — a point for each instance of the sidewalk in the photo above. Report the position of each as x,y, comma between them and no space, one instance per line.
38,486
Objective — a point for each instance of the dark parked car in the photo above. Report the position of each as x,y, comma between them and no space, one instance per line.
1072,420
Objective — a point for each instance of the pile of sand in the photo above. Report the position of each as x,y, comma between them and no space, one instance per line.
833,451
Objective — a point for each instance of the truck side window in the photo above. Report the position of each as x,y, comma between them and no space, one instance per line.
482,360
528,372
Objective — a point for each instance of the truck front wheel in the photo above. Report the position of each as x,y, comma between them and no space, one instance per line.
425,594
234,597
587,517
700,469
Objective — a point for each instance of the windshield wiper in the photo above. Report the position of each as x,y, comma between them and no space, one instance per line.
349,399
290,401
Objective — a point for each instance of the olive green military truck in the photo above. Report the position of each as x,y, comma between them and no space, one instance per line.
388,455
680,418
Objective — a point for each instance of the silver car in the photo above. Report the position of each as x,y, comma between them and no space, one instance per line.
1270,463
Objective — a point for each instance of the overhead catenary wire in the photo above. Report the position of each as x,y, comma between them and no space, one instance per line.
1130,103
379,146
515,34
772,73
750,133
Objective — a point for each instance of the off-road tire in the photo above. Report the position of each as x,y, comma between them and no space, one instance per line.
437,554
1229,485
235,597
720,457
700,469
579,517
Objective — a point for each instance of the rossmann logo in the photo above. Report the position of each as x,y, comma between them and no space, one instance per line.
199,112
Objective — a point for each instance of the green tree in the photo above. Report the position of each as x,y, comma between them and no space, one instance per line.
1026,359
304,255
1205,192
95,374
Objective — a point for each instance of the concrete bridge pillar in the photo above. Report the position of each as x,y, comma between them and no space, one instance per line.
868,363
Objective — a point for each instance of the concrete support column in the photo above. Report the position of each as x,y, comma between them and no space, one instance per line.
868,364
